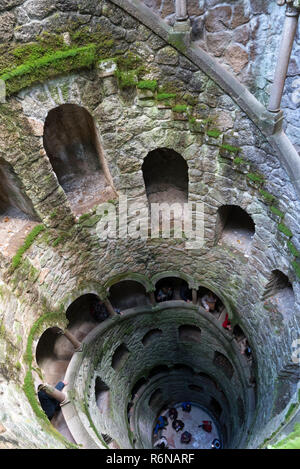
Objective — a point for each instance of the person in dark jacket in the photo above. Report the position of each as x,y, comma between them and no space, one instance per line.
185,293
48,404
99,311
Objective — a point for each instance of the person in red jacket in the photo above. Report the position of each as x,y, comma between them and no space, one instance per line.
206,425
226,324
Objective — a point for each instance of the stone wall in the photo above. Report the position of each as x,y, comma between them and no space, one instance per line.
244,36
224,150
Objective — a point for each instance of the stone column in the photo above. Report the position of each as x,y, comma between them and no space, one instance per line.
152,298
181,10
109,307
288,36
194,296
76,344
54,393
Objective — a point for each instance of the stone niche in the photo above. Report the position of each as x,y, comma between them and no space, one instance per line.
74,150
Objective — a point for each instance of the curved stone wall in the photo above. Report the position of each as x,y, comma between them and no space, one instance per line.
230,162
136,361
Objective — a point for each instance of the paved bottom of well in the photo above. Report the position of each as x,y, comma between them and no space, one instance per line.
200,438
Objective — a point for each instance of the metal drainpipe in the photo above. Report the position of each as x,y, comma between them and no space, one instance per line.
288,36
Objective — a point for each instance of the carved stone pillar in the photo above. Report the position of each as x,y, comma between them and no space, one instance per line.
288,36
194,296
76,344
181,10
109,307
152,298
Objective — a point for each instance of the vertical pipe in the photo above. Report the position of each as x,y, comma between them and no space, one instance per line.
181,10
288,36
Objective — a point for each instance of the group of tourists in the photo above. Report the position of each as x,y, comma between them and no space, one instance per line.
178,425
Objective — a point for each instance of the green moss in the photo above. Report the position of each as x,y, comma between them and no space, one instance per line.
27,243
256,178
277,212
239,160
267,196
230,148
165,96
126,79
296,267
213,133
147,85
290,442
180,108
53,214
291,411
285,230
83,217
293,249
33,71
177,41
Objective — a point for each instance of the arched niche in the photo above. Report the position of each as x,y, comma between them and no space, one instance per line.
189,333
208,300
151,337
222,362
53,354
279,294
102,395
166,176
81,317
155,399
235,227
17,214
128,294
172,288
119,357
75,153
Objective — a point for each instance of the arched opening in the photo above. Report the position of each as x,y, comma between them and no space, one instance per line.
119,357
151,336
84,314
235,228
73,148
128,294
166,180
17,215
155,399
166,176
242,342
215,407
101,395
188,333
208,300
53,354
158,370
172,288
222,362
279,294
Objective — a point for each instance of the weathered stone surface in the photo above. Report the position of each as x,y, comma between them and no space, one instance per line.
236,57
168,56
7,23
218,19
